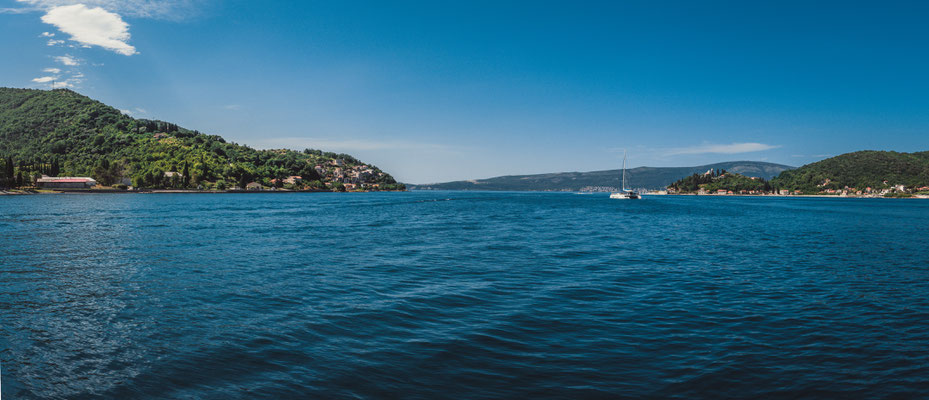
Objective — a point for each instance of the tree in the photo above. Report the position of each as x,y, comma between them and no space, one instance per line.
308,173
4,178
186,174
9,171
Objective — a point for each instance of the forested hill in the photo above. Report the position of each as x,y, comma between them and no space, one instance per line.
639,178
63,133
860,170
720,180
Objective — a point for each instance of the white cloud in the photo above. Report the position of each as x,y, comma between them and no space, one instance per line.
44,79
164,9
92,27
47,34
52,70
68,60
733,148
55,42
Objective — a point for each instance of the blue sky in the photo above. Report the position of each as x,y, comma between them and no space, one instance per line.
436,91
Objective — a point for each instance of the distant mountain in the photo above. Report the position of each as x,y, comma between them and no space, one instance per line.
640,178
860,170
60,132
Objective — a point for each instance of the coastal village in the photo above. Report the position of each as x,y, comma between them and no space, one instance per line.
336,175
722,183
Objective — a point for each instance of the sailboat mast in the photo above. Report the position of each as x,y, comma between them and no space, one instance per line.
624,170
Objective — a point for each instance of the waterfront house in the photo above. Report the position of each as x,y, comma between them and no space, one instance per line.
292,180
253,186
65,182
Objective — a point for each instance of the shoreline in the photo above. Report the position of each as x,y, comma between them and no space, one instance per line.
168,191
827,196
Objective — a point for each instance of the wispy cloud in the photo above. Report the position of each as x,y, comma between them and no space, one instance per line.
68,60
233,107
91,27
61,79
348,145
8,10
134,112
732,148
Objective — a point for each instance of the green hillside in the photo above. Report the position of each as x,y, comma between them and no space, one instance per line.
62,133
716,180
859,170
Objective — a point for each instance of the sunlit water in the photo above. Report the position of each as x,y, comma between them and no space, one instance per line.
462,295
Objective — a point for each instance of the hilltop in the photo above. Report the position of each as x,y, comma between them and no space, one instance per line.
714,181
63,133
640,178
878,170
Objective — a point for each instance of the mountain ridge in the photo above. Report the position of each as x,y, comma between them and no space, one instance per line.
639,177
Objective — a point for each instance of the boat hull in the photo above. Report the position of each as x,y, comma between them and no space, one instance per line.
624,196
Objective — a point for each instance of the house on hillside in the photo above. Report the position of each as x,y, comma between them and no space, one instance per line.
253,186
172,174
292,180
65,182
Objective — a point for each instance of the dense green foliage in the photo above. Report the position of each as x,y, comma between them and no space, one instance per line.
62,133
716,180
859,170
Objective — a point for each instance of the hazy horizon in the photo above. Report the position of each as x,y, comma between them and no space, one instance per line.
441,92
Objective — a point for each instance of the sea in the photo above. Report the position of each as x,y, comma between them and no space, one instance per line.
462,295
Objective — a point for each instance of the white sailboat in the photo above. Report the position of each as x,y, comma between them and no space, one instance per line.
623,193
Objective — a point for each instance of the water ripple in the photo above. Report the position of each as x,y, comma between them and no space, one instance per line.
430,295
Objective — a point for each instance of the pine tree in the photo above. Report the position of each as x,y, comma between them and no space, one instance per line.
9,171
186,175
3,176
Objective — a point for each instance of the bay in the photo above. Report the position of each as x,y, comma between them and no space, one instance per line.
462,295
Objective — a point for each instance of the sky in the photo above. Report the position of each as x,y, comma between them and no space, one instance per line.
433,91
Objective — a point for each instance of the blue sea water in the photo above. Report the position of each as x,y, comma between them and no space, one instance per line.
430,295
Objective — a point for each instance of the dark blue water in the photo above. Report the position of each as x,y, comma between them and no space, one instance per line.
462,295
